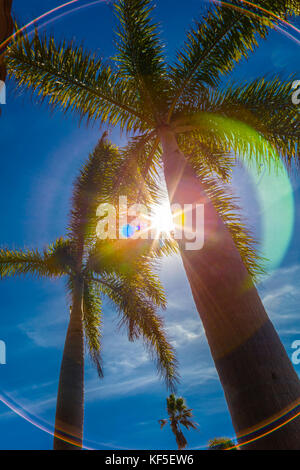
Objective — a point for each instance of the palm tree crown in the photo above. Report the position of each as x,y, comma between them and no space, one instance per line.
117,270
140,92
179,415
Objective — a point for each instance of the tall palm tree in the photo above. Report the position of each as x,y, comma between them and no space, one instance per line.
6,30
94,270
184,119
179,415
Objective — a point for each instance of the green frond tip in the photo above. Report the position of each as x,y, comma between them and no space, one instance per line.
47,263
219,41
227,207
92,320
93,187
140,53
137,311
265,105
69,78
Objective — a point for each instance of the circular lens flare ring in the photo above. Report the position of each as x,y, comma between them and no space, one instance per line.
280,416
48,13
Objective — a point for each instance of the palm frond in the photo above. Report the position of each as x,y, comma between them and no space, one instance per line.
186,419
180,438
127,257
133,262
138,314
93,187
233,135
140,53
68,77
163,423
266,106
292,7
209,152
227,206
225,35
92,320
136,176
48,263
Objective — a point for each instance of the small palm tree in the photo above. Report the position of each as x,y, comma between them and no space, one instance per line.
179,415
221,443
6,30
94,270
187,122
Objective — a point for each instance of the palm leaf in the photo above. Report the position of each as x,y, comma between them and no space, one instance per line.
233,135
47,263
216,44
140,55
68,77
93,187
92,319
266,106
138,314
227,206
136,171
209,152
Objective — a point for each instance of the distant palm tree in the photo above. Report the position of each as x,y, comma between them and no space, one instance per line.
179,415
95,270
6,30
222,443
184,119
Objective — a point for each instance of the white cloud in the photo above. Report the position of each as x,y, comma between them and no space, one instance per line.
280,294
48,329
183,334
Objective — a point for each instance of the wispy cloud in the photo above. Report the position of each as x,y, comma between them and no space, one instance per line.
48,328
281,298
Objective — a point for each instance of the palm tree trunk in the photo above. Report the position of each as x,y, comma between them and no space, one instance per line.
70,397
257,376
6,30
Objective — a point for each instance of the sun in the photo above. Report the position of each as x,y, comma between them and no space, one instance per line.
162,219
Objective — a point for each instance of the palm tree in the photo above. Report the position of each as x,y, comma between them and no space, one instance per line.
221,443
95,270
179,415
6,30
184,119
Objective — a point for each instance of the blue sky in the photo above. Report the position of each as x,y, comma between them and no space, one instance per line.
41,155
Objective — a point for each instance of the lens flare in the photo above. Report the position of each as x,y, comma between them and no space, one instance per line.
277,208
34,23
20,411
262,17
247,439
